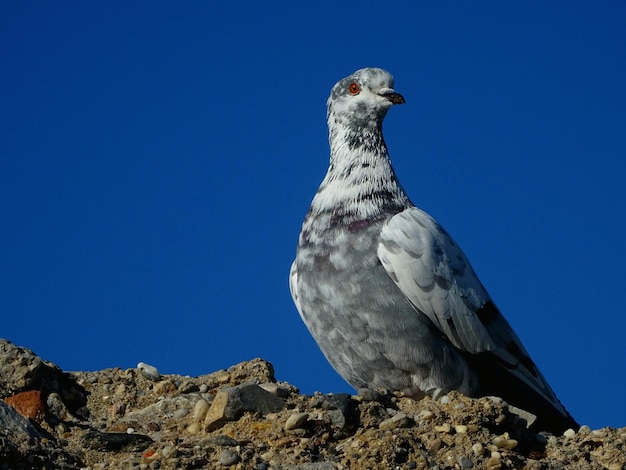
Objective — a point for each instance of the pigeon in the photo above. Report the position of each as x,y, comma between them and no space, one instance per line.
390,298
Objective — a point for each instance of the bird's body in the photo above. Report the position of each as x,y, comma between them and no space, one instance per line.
388,296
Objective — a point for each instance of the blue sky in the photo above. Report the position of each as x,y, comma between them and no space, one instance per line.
157,160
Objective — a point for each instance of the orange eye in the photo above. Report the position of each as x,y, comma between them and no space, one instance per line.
354,88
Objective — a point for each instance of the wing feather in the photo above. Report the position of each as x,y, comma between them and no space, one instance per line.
434,274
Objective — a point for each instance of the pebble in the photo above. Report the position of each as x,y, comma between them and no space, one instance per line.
434,444
194,428
180,413
223,440
584,429
494,462
460,429
569,433
228,458
367,394
465,462
445,427
444,400
204,388
397,421
58,408
478,449
296,420
425,415
504,442
148,371
169,451
200,410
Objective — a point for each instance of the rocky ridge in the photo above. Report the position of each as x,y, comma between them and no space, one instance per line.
242,418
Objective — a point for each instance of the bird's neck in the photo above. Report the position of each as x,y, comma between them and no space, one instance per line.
360,183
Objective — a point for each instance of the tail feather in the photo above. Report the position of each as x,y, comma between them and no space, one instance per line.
497,379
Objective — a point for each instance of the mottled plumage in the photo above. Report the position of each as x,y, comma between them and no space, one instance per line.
389,297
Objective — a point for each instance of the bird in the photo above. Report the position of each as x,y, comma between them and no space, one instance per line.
390,298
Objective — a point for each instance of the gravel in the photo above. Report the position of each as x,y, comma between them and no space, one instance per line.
267,425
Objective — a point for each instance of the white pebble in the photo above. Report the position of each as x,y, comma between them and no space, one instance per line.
130,430
204,388
504,442
478,449
569,433
148,371
168,451
228,458
200,409
425,415
296,420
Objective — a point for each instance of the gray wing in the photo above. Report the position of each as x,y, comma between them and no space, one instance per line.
434,274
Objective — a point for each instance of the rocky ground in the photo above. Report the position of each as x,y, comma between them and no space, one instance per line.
243,419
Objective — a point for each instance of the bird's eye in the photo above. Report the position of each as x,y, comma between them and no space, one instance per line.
354,88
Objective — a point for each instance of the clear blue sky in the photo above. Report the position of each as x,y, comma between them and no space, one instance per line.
157,160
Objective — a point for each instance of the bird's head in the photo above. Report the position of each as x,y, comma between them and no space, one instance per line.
362,99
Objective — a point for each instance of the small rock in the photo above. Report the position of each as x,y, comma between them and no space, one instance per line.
478,449
169,451
180,413
425,415
148,371
399,420
194,428
29,404
460,429
433,443
229,404
445,428
504,442
223,440
296,420
527,416
58,408
275,389
200,410
204,388
188,387
166,387
465,462
228,458
115,441
368,394
569,433
16,426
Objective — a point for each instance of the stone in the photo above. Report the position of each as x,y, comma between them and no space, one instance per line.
116,441
230,403
17,428
28,404
200,409
149,372
296,420
397,421
504,442
228,458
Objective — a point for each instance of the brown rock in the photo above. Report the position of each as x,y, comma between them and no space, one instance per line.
29,404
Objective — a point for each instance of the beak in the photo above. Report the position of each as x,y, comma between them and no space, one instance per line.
391,95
